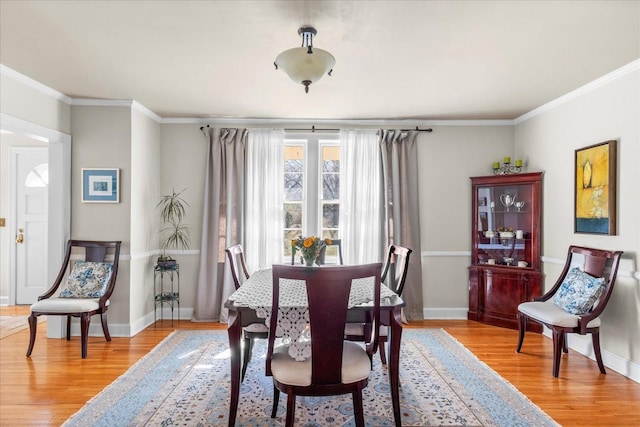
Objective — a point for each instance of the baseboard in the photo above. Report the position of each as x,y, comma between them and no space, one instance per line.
4,301
615,362
445,313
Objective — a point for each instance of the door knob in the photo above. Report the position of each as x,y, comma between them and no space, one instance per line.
20,237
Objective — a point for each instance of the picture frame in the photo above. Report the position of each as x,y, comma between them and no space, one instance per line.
595,179
482,201
100,185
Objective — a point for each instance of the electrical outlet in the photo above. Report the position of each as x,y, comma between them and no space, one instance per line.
1,222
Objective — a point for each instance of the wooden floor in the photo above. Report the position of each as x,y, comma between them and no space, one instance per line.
55,382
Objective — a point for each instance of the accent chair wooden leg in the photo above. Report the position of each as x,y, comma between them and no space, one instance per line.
522,326
565,343
85,319
595,338
105,327
557,351
68,328
33,329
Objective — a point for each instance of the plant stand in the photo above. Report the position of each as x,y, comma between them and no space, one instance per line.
171,296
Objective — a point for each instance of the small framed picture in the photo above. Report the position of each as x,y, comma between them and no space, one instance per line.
100,185
482,201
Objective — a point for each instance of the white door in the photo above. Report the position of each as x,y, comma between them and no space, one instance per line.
31,178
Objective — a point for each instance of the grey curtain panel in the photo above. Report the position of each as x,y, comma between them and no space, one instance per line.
402,222
223,210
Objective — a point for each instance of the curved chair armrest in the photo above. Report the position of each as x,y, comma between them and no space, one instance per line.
61,274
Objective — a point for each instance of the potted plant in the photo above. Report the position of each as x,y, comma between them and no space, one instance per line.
174,234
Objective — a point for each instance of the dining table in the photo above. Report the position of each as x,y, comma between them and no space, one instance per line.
251,303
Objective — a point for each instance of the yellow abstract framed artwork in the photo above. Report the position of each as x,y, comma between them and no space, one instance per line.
595,189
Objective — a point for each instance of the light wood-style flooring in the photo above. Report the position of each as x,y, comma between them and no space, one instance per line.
55,382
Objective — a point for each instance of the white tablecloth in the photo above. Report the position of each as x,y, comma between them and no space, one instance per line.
293,318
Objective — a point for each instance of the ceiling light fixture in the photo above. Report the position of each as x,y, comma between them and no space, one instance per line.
305,64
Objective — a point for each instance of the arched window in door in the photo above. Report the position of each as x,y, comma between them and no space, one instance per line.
38,176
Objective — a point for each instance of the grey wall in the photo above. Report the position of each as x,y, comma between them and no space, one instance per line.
102,139
448,157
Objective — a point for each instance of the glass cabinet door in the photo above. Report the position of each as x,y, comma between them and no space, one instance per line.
507,221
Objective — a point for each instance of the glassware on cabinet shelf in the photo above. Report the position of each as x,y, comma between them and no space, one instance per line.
507,200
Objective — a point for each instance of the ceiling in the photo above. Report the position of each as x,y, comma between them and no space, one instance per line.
413,60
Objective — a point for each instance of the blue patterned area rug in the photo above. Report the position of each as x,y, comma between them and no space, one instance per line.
185,381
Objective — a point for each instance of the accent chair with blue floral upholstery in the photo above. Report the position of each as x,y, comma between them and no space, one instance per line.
575,302
90,281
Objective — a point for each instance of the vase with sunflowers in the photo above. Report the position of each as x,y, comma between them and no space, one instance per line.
309,248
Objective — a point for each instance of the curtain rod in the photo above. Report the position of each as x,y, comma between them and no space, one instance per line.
313,129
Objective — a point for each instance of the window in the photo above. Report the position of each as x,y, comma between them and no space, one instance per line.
312,189
38,176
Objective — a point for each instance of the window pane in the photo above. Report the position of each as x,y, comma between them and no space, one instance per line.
330,186
293,166
293,216
293,186
38,176
330,215
330,234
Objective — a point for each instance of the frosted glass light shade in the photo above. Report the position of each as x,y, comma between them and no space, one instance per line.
303,67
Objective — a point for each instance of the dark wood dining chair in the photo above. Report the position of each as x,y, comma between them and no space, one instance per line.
90,281
575,302
336,366
393,276
337,243
240,273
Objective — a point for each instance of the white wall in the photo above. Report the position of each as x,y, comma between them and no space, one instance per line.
146,175
27,99
548,140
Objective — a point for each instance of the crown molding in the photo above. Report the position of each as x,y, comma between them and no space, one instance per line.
591,86
34,84
130,103
405,123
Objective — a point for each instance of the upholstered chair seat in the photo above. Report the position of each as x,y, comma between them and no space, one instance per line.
65,305
548,312
356,366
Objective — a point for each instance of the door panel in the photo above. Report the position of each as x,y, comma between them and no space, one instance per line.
32,189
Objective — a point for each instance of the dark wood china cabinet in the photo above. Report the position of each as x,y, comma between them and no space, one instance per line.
506,248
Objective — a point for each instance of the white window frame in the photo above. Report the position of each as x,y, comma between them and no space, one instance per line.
312,144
